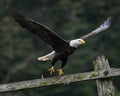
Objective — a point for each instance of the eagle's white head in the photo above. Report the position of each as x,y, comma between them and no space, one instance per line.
76,42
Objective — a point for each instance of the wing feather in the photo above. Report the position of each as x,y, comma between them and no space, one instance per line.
104,26
42,31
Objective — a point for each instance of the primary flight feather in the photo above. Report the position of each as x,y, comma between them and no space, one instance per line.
61,48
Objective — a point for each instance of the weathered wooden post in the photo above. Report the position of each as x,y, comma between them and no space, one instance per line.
104,86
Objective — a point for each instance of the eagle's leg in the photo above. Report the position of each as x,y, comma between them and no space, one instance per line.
60,71
52,70
47,57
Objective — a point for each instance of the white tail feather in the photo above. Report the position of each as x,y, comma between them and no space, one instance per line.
47,57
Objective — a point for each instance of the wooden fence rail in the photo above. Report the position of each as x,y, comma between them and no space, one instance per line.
102,74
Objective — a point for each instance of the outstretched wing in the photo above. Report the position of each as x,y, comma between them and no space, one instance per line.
42,31
106,24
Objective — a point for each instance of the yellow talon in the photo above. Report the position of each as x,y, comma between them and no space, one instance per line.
52,70
60,71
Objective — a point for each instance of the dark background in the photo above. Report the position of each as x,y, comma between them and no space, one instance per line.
70,19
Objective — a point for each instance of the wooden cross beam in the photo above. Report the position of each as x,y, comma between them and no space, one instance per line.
102,73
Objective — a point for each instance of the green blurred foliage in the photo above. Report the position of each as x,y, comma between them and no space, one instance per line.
70,19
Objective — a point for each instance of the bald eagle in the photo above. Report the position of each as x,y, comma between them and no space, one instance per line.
61,48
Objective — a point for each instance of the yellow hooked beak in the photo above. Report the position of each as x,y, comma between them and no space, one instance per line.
82,41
